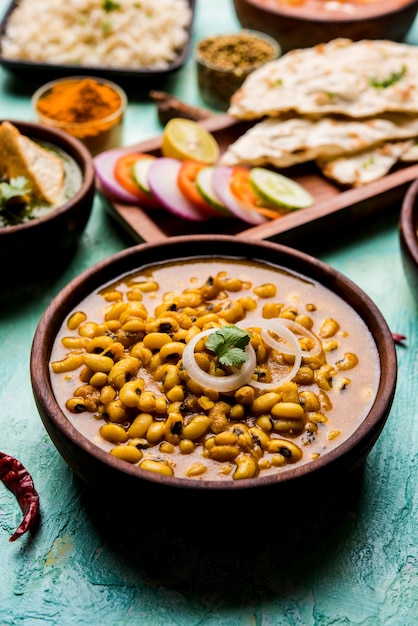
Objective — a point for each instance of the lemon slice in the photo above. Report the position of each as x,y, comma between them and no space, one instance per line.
187,140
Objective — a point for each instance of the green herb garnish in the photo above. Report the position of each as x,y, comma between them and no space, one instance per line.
110,5
391,80
370,161
16,187
229,343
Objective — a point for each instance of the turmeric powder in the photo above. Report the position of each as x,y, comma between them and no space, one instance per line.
90,109
79,102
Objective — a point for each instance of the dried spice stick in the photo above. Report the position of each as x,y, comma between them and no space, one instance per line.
169,106
17,478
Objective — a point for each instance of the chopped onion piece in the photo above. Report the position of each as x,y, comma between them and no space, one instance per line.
298,329
293,349
240,376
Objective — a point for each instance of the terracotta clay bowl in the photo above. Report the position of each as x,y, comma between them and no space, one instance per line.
45,242
298,26
112,476
408,233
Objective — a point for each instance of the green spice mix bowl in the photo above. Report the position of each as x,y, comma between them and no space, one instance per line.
37,248
225,61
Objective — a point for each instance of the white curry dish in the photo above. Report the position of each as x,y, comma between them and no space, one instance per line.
36,178
128,391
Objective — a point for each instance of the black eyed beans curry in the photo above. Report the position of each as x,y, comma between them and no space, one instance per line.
118,372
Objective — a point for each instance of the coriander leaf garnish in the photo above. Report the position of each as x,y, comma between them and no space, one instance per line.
229,343
18,186
369,162
110,5
388,82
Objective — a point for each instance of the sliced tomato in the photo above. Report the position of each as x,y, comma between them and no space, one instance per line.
124,175
243,190
187,184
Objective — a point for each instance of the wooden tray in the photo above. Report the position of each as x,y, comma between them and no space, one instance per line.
334,209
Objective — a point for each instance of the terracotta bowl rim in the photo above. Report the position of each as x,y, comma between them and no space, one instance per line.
408,222
69,144
328,19
89,281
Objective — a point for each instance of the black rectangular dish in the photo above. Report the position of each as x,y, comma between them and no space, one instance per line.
36,71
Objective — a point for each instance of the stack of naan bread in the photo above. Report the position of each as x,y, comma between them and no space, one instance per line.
352,107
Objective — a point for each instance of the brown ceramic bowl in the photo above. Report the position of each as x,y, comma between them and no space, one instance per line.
109,475
408,232
306,24
45,242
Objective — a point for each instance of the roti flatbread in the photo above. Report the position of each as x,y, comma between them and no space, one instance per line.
359,169
356,79
411,154
283,143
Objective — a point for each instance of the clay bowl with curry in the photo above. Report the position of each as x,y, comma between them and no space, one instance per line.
47,191
305,23
212,367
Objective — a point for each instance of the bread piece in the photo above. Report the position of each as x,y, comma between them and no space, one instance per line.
283,143
356,79
20,156
359,169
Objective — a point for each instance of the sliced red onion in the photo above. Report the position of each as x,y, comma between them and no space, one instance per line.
298,329
162,180
221,182
104,167
293,348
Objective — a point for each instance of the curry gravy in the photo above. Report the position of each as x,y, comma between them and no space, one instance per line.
343,404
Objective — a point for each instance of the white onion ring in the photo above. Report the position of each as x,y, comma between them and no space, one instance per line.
283,331
222,384
298,329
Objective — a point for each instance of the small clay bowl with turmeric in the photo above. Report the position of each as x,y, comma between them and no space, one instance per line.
89,108
225,61
37,237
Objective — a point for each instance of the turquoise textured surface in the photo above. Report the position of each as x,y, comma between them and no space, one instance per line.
75,571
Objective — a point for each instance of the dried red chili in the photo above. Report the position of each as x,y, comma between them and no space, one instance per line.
17,478
398,339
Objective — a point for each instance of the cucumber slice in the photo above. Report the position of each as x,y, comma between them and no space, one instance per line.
279,190
205,188
140,174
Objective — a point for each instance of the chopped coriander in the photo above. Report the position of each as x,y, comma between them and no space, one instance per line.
388,82
369,162
110,5
229,343
16,187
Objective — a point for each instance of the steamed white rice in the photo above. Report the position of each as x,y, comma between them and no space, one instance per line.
113,33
